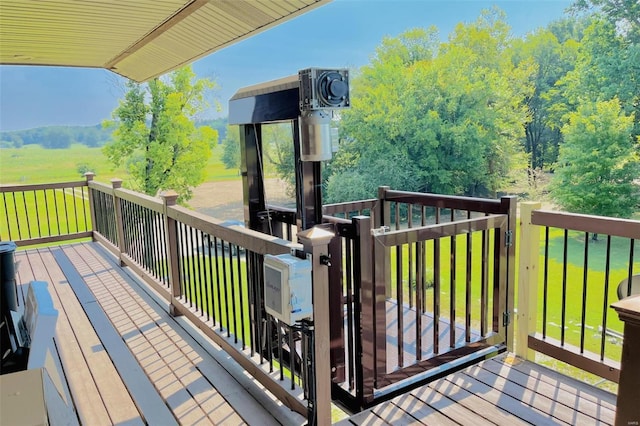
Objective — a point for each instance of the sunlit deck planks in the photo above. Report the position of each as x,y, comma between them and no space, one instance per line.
500,391
100,305
126,360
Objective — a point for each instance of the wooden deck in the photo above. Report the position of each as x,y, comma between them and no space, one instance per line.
501,391
127,361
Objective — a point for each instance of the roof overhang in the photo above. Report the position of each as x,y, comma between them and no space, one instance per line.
138,39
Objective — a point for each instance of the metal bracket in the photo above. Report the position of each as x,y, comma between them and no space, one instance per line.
380,231
506,318
508,238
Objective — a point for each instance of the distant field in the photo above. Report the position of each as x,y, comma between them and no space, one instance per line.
34,164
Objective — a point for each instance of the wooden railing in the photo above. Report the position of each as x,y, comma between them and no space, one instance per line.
210,272
45,213
443,280
391,293
570,268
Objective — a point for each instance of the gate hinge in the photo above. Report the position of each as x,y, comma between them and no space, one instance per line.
506,318
508,237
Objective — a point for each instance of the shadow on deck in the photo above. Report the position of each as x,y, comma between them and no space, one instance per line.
504,390
127,361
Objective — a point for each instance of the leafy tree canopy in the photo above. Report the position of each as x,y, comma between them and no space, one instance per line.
438,117
155,135
624,14
231,148
598,162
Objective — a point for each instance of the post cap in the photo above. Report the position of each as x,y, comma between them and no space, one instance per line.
116,183
89,175
628,309
315,236
170,196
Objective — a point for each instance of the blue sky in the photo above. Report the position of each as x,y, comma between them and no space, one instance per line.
343,33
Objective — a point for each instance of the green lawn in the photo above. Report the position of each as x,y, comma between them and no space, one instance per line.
34,164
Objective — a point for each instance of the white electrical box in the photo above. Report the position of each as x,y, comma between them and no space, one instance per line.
287,288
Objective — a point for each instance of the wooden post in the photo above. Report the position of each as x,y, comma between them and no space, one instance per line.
116,184
627,406
527,279
169,199
509,205
316,241
383,218
92,209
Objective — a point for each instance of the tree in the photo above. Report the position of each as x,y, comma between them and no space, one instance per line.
231,149
552,61
607,67
56,137
598,162
437,117
155,135
623,14
277,140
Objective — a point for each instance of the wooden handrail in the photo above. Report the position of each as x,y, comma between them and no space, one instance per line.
588,223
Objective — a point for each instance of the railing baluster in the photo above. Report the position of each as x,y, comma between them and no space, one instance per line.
225,289
209,288
400,304
182,241
233,294
46,208
419,286
545,282
423,222
75,208
26,213
292,347
66,212
436,290
20,223
84,207
196,260
605,299
467,303
218,292
585,268
484,289
280,351
630,274
241,296
350,312
193,298
452,288
410,258
564,286
35,201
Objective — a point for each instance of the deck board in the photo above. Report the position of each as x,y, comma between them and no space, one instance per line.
503,391
151,407
582,405
93,294
178,381
80,347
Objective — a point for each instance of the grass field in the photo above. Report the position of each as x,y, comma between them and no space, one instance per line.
34,164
